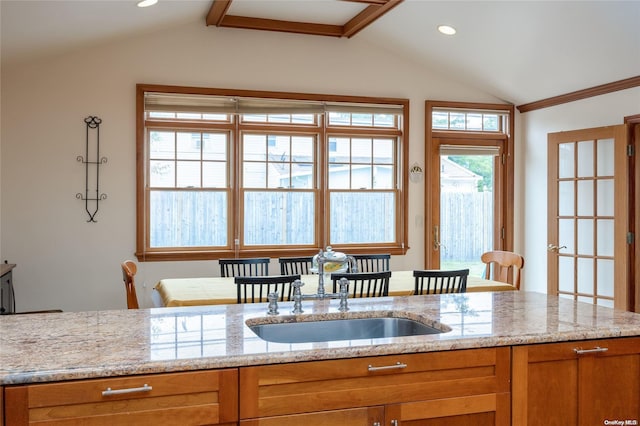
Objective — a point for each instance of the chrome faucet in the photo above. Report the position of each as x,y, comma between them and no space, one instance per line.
343,295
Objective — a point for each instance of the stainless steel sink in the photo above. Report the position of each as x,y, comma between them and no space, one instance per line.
342,329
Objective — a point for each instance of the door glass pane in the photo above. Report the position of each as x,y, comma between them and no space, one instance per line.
585,276
606,197
585,159
605,157
585,198
565,198
585,236
566,160
466,210
605,277
605,237
566,235
605,302
565,272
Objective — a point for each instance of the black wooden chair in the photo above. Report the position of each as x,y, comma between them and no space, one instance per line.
365,284
256,289
295,265
372,262
252,267
438,282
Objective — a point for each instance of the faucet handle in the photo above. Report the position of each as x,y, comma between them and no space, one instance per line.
344,294
297,297
272,298
296,286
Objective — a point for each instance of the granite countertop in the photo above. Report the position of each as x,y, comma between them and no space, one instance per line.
75,345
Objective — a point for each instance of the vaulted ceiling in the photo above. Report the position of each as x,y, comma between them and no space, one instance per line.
518,51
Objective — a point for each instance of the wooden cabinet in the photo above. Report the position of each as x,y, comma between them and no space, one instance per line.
454,388
577,383
194,398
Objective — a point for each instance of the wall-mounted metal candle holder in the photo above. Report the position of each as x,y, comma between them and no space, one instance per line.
92,195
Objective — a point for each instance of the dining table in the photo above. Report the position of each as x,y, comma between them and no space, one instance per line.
170,292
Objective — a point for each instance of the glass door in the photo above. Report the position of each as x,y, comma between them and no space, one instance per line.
588,219
467,206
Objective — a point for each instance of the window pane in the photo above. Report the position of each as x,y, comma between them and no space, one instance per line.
188,146
279,175
162,174
214,175
188,218
302,149
254,147
188,175
161,145
214,146
254,175
362,119
279,218
383,151
339,150
383,177
384,120
474,121
490,122
361,150
339,118
362,217
440,120
339,176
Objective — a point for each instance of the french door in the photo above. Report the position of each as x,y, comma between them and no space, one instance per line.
589,235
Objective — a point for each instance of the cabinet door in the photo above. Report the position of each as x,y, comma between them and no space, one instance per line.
367,416
319,386
477,410
195,398
577,383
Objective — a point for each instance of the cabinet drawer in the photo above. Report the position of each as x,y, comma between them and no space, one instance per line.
195,398
274,390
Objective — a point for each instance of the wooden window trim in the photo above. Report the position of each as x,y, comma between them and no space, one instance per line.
144,253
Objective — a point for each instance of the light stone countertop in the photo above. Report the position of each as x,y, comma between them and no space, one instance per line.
76,345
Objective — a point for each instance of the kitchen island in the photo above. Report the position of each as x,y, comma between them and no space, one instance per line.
74,346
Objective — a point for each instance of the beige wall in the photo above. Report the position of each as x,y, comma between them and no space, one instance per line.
65,262
531,185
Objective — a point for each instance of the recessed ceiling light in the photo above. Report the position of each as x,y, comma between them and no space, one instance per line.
446,29
145,3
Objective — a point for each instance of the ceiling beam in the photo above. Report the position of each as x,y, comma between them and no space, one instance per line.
603,89
367,16
376,8
217,12
282,26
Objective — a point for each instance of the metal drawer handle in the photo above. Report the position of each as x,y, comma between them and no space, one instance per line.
590,351
397,365
109,391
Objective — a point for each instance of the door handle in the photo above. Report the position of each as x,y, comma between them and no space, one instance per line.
554,248
436,238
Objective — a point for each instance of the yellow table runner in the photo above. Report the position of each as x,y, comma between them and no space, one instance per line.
222,291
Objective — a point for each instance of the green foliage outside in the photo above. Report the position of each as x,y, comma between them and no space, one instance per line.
481,165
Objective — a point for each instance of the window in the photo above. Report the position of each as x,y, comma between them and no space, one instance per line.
239,173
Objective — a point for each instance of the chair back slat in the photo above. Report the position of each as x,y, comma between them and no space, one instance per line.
256,289
372,262
439,282
295,265
503,266
251,267
365,284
